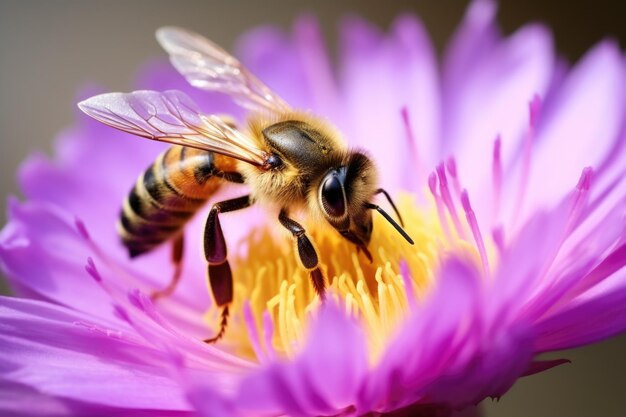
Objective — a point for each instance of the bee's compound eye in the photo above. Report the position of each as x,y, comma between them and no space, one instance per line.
333,198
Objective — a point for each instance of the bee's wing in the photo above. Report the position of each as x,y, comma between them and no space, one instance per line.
207,66
171,117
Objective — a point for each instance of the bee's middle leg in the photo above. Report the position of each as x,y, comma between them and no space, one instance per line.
306,252
177,259
220,275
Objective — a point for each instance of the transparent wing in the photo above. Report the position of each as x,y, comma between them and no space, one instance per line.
171,117
207,66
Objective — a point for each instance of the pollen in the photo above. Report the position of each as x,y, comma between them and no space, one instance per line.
274,299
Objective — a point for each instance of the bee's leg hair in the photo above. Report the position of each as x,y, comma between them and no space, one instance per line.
220,276
306,252
177,259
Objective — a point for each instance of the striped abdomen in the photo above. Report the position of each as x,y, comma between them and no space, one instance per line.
168,194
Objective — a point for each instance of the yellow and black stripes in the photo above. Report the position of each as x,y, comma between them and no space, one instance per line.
167,195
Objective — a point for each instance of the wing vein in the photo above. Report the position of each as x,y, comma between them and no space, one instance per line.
170,117
207,66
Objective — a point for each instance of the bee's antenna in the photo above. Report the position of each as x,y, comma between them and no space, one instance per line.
390,220
379,191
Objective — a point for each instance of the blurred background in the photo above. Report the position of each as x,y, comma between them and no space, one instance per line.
48,49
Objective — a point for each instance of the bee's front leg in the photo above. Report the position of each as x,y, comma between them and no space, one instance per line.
220,276
306,252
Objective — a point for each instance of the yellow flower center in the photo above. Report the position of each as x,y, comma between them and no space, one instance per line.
271,285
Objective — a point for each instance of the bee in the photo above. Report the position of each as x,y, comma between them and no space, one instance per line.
290,160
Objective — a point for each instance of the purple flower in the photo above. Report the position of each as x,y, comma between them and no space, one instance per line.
509,165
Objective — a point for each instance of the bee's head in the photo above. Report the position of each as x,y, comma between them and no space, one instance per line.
345,194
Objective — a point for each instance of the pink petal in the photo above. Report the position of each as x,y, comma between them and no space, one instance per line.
579,125
17,400
493,100
430,345
474,38
521,273
49,261
401,74
540,366
587,321
92,361
325,377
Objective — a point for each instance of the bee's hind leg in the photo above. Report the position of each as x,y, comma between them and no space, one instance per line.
220,275
177,259
306,252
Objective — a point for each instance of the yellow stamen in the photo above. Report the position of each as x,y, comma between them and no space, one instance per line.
271,280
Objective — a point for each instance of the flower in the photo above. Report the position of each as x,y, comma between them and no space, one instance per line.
514,167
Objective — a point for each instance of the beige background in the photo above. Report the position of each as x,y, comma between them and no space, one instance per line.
49,48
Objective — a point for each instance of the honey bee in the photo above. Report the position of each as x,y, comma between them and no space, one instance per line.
291,161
